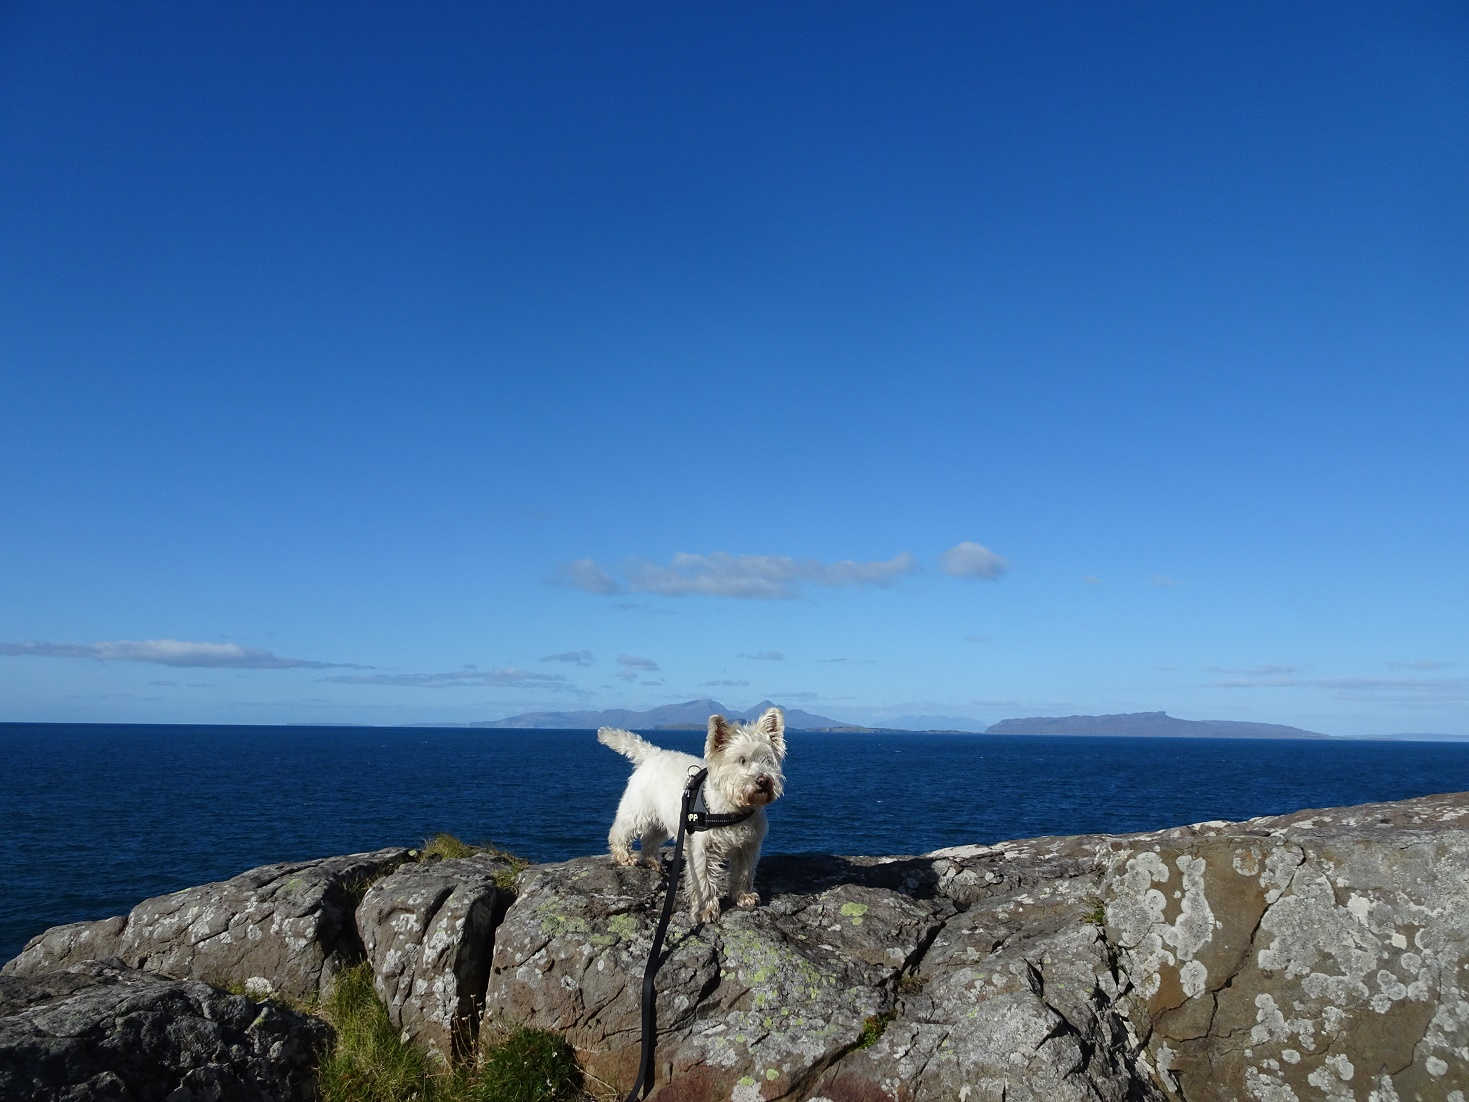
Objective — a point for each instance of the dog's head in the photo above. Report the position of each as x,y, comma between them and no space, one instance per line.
744,759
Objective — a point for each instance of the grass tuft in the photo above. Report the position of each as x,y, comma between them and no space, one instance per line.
371,1062
528,1065
445,847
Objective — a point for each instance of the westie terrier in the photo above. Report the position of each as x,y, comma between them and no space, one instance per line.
744,761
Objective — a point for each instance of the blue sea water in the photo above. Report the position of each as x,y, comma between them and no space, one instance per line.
98,817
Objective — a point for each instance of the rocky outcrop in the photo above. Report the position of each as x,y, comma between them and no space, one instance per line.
1317,955
427,930
280,929
1323,954
99,1030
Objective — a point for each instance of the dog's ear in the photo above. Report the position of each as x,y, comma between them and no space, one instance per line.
773,726
718,737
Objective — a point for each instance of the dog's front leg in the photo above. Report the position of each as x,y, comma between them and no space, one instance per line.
703,893
742,876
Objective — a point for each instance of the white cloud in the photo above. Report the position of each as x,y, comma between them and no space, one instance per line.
172,652
972,560
763,655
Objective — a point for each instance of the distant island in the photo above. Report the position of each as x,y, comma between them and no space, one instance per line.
691,715
1147,725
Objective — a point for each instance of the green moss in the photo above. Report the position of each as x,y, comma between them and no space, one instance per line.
623,926
775,974
873,1028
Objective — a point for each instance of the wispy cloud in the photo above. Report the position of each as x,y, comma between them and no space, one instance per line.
763,655
585,574
724,684
1379,689
575,657
457,679
1163,581
721,574
636,662
173,652
1253,671
1423,664
972,560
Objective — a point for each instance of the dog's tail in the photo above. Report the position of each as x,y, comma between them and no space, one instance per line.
625,743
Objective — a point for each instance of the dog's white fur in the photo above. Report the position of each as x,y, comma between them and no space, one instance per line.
744,762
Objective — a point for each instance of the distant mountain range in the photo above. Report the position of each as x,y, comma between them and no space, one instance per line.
1146,724
691,715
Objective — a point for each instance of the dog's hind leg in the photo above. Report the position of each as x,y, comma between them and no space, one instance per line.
620,837
653,838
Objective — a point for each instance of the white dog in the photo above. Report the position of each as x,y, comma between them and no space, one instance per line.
744,761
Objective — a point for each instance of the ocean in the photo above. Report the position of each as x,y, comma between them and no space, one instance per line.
98,817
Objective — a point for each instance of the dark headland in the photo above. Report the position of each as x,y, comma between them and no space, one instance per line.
1147,725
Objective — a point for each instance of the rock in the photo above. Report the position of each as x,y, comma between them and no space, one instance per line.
428,930
1012,998
280,929
99,1032
765,998
1320,954
1323,954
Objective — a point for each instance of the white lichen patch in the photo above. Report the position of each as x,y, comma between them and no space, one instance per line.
1193,977
1264,1087
1247,862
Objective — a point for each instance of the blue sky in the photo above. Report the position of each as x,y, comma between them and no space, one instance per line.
375,364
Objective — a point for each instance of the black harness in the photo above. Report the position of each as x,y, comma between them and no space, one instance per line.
694,816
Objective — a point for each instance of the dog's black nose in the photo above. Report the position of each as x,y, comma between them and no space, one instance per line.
763,781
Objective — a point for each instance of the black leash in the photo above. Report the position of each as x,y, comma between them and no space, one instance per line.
693,816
